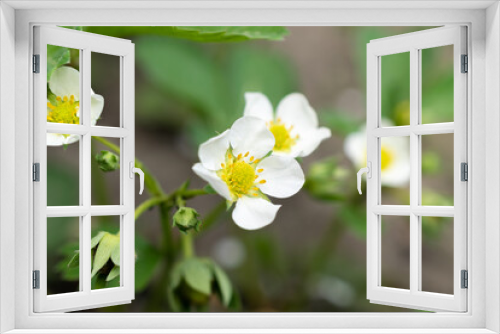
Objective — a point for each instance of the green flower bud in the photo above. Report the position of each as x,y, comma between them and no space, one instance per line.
186,219
326,180
107,161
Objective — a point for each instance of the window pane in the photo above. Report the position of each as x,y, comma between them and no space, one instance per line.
105,252
63,260
437,169
395,89
437,254
63,85
395,170
395,251
63,169
437,84
105,167
105,83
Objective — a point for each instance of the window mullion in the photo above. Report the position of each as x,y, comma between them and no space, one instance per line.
415,244
85,254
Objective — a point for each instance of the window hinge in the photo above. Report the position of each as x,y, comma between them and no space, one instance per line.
465,64
464,279
36,279
464,171
36,63
36,172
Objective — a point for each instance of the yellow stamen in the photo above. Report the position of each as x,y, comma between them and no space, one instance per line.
251,159
63,110
284,141
260,170
246,154
262,181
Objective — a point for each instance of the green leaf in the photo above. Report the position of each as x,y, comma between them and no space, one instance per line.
115,272
197,275
223,283
192,77
104,250
56,57
95,240
198,34
115,255
75,260
147,261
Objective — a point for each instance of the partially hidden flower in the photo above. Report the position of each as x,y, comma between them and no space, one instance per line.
394,154
295,125
65,106
238,166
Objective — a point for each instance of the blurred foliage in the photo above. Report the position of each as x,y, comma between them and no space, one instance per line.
197,34
209,87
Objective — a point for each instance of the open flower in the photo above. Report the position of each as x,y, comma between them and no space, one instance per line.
238,166
394,154
65,107
295,125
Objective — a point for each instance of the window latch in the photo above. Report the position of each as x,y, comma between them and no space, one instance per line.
36,279
139,171
368,171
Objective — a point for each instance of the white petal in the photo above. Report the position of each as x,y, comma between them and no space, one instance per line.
57,139
308,142
258,105
96,106
250,134
211,177
355,148
65,81
284,176
396,176
295,110
213,152
254,213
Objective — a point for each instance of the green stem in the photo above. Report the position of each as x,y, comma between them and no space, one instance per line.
187,245
149,203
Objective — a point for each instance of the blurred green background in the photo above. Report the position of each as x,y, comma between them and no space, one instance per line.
190,85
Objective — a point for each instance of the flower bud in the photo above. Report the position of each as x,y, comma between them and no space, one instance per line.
107,161
186,219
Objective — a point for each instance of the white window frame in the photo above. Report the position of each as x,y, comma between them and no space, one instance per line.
483,21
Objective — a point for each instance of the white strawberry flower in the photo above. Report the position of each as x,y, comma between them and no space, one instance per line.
65,84
295,125
394,154
238,166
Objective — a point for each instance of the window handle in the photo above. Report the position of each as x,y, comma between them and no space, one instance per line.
368,171
139,171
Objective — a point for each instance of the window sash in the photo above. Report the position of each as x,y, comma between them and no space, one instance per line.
413,43
86,297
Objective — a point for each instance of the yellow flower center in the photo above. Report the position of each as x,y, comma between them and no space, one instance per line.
386,158
240,175
64,110
284,141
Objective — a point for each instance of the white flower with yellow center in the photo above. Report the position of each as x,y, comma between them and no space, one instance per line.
65,108
394,155
238,166
295,125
